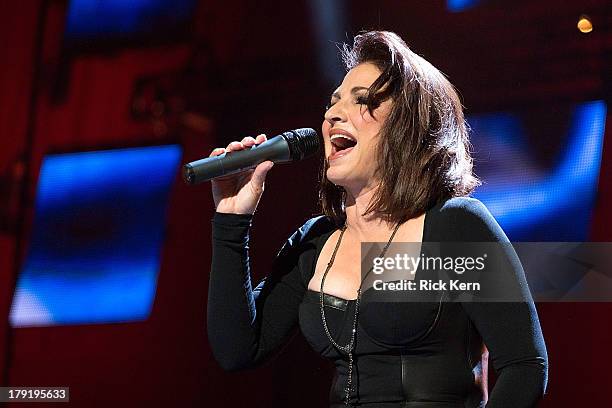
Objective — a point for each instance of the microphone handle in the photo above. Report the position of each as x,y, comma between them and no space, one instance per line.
275,149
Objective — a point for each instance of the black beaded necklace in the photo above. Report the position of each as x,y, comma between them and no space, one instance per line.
348,348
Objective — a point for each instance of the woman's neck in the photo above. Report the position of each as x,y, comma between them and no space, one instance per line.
370,227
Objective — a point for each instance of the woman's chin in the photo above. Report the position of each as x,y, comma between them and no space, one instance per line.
337,177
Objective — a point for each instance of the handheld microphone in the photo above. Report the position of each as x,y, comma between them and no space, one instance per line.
290,146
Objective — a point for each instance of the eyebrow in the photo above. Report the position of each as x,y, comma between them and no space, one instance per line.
356,89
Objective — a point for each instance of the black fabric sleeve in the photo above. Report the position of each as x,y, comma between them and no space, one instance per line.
510,330
246,325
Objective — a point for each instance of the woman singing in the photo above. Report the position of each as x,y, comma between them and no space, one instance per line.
397,168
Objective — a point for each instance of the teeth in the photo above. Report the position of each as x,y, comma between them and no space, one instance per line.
342,136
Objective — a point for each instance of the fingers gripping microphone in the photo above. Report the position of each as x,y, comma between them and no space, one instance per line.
290,146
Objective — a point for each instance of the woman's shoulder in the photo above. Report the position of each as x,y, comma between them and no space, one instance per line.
464,206
312,229
460,208
466,218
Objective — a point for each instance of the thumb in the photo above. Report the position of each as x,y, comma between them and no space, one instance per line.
259,175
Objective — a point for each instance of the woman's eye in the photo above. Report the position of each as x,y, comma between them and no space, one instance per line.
361,100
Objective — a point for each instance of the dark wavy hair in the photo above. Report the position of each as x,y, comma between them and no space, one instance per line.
424,151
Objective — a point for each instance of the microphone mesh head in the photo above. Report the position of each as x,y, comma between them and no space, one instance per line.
302,142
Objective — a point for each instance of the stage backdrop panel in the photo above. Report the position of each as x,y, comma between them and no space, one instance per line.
540,169
98,228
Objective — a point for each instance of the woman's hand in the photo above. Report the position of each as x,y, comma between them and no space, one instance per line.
240,193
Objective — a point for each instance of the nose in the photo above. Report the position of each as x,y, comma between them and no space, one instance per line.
335,114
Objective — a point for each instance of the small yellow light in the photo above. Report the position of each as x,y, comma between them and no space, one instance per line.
585,25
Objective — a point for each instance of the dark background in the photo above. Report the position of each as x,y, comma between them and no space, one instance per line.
241,67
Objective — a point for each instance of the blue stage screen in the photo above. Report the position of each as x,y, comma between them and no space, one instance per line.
103,18
98,230
540,169
457,6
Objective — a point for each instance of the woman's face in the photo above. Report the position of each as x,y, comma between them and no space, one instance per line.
351,134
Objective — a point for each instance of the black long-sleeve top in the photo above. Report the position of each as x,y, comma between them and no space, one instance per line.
417,354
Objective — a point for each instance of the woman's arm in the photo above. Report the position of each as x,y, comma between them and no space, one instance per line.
511,330
246,325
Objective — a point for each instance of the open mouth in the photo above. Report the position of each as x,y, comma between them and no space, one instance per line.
341,145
